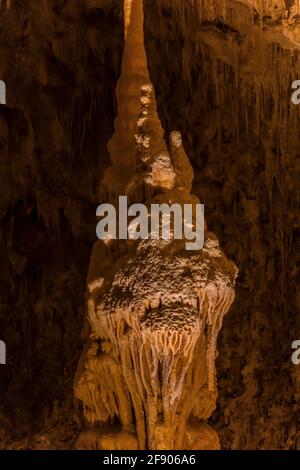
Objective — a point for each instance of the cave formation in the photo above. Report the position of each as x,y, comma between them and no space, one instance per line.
221,74
149,363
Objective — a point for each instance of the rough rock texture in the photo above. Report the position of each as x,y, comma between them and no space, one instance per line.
60,63
222,74
155,311
229,91
154,308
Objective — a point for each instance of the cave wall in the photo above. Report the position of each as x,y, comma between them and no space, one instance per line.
60,64
223,77
227,86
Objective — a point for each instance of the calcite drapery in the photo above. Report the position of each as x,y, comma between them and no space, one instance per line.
154,308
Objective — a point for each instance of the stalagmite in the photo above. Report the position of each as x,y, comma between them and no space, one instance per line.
134,74
154,309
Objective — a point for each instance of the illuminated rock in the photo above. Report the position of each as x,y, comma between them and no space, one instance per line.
155,311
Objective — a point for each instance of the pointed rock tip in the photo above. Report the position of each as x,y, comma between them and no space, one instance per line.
176,139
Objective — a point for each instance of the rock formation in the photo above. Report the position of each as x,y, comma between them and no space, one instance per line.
134,74
155,309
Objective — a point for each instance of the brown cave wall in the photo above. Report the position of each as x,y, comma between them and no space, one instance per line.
241,133
61,61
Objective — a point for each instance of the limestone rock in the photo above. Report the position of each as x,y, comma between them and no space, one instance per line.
155,311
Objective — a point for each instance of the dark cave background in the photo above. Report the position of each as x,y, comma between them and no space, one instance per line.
61,61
